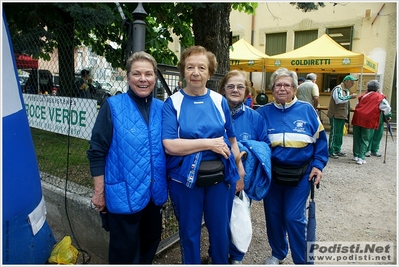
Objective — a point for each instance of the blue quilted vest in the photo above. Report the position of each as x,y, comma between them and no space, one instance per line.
135,169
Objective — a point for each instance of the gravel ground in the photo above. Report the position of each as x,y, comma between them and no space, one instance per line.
353,203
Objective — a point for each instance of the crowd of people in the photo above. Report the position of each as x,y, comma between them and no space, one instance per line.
143,150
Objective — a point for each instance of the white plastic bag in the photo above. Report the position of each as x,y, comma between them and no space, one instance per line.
240,222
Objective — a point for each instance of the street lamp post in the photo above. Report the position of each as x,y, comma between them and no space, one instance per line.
139,24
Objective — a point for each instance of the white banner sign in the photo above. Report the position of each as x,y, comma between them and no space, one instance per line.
63,115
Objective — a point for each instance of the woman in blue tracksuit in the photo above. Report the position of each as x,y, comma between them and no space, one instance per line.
248,124
298,139
197,127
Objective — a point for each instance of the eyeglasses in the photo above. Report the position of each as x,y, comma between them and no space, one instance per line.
280,85
239,87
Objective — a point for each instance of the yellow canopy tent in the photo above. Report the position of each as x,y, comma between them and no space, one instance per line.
323,55
245,57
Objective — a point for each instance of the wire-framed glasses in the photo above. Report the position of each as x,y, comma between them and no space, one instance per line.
281,85
231,87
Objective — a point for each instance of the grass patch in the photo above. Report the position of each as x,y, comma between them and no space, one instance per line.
62,156
65,157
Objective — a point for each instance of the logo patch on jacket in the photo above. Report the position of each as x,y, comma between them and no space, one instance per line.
299,126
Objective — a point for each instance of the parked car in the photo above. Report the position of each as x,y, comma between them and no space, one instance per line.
106,85
39,82
101,93
114,90
23,77
22,80
56,81
121,87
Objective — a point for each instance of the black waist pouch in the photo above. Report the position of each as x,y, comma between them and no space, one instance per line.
288,175
210,172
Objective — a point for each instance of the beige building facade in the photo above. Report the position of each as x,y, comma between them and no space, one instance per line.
369,28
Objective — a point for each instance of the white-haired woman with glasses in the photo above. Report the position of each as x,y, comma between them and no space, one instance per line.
298,143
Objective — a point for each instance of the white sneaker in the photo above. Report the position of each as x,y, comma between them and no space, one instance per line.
273,261
355,158
360,161
234,262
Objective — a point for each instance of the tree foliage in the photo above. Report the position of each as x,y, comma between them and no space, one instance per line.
308,6
99,25
43,20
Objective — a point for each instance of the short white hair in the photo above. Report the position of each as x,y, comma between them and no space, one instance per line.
311,76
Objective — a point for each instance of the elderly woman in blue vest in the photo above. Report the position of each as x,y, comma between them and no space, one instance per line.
299,141
250,127
197,127
128,165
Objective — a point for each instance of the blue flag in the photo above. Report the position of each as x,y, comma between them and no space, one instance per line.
27,238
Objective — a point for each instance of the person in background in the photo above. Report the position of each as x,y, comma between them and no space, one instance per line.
197,126
366,119
178,87
374,144
83,85
248,124
309,91
301,80
249,101
128,165
338,110
298,141
375,141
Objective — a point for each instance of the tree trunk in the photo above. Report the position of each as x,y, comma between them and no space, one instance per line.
211,28
66,56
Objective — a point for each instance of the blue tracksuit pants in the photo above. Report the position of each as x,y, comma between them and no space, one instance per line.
190,204
285,211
